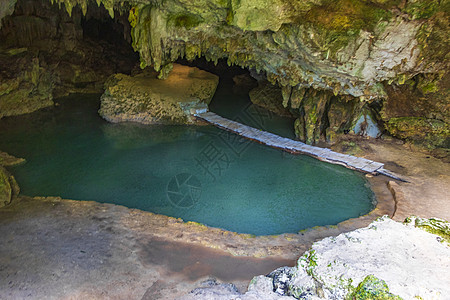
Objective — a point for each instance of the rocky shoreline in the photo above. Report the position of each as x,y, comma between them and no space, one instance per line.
386,260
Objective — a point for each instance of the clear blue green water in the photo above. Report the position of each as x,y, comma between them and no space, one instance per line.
198,173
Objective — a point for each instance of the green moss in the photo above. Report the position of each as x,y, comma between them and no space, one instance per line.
430,87
422,9
187,21
192,51
311,259
429,83
230,16
347,15
133,16
338,23
5,188
165,71
197,225
432,225
350,148
16,51
429,132
432,37
372,288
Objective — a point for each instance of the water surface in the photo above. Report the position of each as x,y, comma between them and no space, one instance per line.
198,173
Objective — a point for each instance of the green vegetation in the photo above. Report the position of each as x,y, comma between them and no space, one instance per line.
420,9
372,288
186,21
430,132
432,225
339,22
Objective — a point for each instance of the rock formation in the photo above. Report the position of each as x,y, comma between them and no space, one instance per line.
8,186
386,260
331,59
146,99
46,53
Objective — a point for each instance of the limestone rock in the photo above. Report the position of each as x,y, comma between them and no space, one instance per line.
433,225
9,160
371,50
366,126
212,290
25,85
408,259
5,188
386,260
260,288
146,99
6,9
46,53
269,96
243,84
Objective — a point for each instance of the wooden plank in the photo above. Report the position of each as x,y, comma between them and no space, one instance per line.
273,140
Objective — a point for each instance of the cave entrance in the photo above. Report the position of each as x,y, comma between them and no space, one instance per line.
237,89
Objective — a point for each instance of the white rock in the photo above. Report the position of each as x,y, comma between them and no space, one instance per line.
413,263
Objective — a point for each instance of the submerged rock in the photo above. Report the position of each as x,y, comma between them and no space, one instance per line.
146,99
9,160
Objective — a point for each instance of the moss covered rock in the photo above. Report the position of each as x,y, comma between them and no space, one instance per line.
431,132
25,86
433,225
373,288
5,188
46,53
146,99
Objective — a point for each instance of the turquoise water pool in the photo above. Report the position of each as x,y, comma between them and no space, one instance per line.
198,173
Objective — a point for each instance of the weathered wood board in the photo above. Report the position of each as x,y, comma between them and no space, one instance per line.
273,140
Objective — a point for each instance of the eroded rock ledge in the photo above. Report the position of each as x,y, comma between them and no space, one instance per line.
146,99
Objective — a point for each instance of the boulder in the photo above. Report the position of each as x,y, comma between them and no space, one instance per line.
270,97
146,99
386,258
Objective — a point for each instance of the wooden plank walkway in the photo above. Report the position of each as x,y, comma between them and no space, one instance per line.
273,140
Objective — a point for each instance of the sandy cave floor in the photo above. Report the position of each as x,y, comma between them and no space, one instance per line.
62,249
